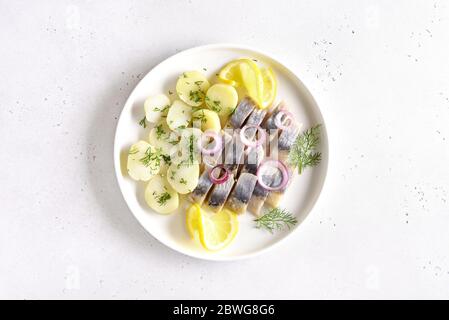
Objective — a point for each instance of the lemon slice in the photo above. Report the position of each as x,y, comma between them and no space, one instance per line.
217,230
252,80
269,87
230,73
192,220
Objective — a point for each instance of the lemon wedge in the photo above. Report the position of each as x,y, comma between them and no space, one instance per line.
213,230
217,230
192,220
252,80
269,87
230,73
260,84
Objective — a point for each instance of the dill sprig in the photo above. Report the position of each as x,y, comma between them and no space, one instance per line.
302,153
143,122
276,219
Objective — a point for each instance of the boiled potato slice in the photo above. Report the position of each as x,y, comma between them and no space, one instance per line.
183,177
162,137
179,115
222,98
156,107
192,87
188,147
160,196
206,120
143,161
165,163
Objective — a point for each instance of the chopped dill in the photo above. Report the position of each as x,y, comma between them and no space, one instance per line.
200,116
160,131
196,96
167,159
163,198
143,122
151,159
183,181
157,109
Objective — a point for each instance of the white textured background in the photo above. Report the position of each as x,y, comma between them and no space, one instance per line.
378,69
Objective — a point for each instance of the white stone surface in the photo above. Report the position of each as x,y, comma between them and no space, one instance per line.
379,70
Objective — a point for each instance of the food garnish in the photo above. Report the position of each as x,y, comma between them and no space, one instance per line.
303,154
143,122
276,219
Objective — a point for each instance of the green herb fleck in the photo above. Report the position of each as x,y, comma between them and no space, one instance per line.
191,148
152,159
215,106
196,96
200,116
163,198
276,219
166,159
157,109
160,131
143,122
183,181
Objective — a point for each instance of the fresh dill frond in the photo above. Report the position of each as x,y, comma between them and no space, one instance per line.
276,219
163,198
143,122
302,153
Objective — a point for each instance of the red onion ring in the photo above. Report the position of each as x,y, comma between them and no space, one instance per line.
278,119
217,139
222,179
250,143
279,165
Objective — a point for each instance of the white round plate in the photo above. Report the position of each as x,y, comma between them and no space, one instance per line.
171,230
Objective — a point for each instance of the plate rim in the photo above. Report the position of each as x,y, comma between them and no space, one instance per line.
232,46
